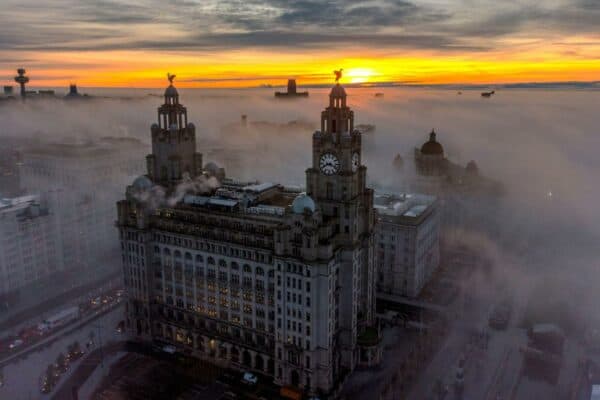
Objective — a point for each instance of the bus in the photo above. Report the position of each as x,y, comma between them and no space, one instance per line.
59,319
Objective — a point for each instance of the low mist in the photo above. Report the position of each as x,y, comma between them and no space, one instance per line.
540,144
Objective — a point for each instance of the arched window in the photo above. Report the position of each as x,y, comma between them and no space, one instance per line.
210,261
247,268
188,256
177,254
235,266
167,252
271,273
260,271
199,258
222,263
169,300
156,250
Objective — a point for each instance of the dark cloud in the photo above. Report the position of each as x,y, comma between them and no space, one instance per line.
183,25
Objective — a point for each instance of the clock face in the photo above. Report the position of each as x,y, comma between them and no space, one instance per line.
329,164
355,162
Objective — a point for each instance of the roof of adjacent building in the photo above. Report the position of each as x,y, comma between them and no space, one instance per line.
22,203
411,205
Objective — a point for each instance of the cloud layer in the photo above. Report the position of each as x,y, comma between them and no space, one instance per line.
199,25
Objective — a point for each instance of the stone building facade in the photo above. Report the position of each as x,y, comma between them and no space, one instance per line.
254,276
29,245
407,242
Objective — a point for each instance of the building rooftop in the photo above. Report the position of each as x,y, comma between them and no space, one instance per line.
267,199
22,201
403,205
26,207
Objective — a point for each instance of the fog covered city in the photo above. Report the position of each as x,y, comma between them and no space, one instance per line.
534,232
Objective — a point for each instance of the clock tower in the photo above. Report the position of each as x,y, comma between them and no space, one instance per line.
174,153
337,182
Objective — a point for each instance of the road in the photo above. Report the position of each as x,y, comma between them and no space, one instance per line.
14,329
466,318
22,375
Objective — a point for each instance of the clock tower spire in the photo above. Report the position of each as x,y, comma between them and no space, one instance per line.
336,174
174,153
337,182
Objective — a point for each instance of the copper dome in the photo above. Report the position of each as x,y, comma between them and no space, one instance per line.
432,146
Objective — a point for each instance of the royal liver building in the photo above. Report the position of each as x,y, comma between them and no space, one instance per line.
254,276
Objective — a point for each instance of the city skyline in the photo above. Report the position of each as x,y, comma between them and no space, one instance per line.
237,44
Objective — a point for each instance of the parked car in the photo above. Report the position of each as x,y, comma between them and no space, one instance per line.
169,349
16,343
249,378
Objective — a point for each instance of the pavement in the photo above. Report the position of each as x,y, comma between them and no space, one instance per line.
82,372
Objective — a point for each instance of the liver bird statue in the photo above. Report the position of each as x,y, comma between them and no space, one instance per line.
338,74
170,77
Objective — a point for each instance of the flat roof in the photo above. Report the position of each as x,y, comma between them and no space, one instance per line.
411,205
259,187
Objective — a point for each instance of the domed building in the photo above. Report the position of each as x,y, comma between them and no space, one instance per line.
429,159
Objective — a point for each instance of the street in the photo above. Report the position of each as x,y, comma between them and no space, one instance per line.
22,376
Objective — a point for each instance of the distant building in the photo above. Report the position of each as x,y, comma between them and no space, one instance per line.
407,242
8,91
291,91
73,93
253,276
22,80
80,183
10,184
29,244
439,176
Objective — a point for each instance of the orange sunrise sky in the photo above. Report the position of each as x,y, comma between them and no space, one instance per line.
210,43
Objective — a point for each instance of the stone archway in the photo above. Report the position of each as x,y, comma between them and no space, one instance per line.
271,366
235,355
295,378
247,359
259,363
